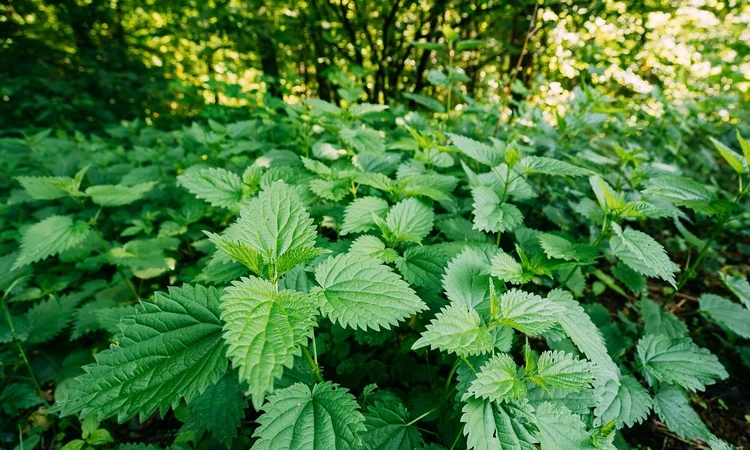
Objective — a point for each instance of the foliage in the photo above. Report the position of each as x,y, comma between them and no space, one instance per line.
344,275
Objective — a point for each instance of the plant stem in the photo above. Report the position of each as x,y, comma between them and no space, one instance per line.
313,365
122,274
692,269
458,436
463,358
450,374
18,344
423,415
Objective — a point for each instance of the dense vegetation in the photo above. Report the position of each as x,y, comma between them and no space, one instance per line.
408,225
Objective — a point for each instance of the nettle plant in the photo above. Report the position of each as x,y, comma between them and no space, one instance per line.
428,274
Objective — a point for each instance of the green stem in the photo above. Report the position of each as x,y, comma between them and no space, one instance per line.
8,319
423,415
119,270
455,441
692,269
451,373
313,365
463,358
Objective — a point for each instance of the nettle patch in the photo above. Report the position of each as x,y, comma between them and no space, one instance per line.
424,291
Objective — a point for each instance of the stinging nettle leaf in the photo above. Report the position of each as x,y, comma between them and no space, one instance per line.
219,410
409,221
526,312
275,223
491,214
497,380
388,427
497,426
643,254
582,331
457,329
118,195
508,269
560,429
358,214
264,330
374,248
730,315
549,166
297,417
679,361
169,350
476,150
739,287
563,371
627,403
217,186
359,292
673,409
49,237
734,159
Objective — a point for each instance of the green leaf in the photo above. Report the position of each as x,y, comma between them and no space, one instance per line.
745,146
658,321
582,331
673,409
375,180
243,254
733,158
558,247
424,100
508,269
275,223
497,380
730,315
739,287
320,107
422,265
363,140
48,318
264,330
217,186
466,280
388,427
549,166
325,417
605,195
563,371
627,403
358,214
51,236
679,361
219,410
560,429
682,192
17,396
359,110
527,313
359,292
50,188
459,229
169,350
99,437
409,221
476,150
457,329
499,426
490,214
374,248
643,254
118,195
